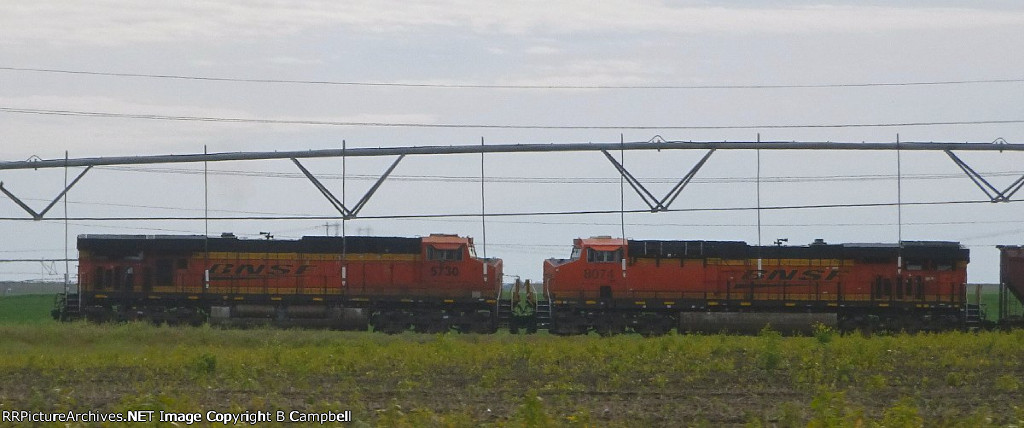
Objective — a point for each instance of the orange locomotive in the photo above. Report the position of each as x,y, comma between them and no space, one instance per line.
431,284
612,285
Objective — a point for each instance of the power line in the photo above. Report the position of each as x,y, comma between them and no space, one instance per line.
36,260
157,207
32,251
514,214
509,86
79,113
561,223
737,224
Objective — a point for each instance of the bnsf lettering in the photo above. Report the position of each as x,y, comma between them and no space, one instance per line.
261,269
251,269
792,274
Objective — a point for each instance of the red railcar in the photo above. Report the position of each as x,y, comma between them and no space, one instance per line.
431,284
611,285
1011,286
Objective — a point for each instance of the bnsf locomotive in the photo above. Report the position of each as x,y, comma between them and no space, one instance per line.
614,285
607,285
430,284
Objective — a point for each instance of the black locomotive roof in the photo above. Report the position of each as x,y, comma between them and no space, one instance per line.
133,244
740,250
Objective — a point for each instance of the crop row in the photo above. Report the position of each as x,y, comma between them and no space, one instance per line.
503,379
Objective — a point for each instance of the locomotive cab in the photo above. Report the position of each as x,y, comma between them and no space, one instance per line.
596,264
450,260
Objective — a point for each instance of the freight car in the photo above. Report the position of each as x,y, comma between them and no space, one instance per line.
611,285
1011,286
430,284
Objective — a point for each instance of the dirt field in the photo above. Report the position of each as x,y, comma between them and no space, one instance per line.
953,379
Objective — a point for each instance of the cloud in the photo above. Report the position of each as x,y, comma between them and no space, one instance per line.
291,60
32,133
591,72
543,50
121,22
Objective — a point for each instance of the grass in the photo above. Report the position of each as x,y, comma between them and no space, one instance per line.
26,309
990,302
503,380
826,379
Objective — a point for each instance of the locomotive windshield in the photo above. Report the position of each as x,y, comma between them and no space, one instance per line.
594,255
575,253
434,253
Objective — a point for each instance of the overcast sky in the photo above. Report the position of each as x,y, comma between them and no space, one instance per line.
564,44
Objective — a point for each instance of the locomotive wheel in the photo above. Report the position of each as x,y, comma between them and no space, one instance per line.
391,323
847,325
431,323
867,326
99,314
567,328
559,329
390,327
948,323
653,325
185,316
483,324
890,324
651,330
912,324
428,327
568,324
609,325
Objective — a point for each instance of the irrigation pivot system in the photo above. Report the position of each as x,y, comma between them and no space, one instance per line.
656,204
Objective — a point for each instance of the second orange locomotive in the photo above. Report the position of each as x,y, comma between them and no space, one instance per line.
612,285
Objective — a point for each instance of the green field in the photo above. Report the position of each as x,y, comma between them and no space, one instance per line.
990,302
950,379
26,309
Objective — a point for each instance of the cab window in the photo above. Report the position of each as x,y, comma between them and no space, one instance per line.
444,255
595,256
575,253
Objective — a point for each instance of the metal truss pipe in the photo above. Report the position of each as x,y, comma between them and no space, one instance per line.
503,148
